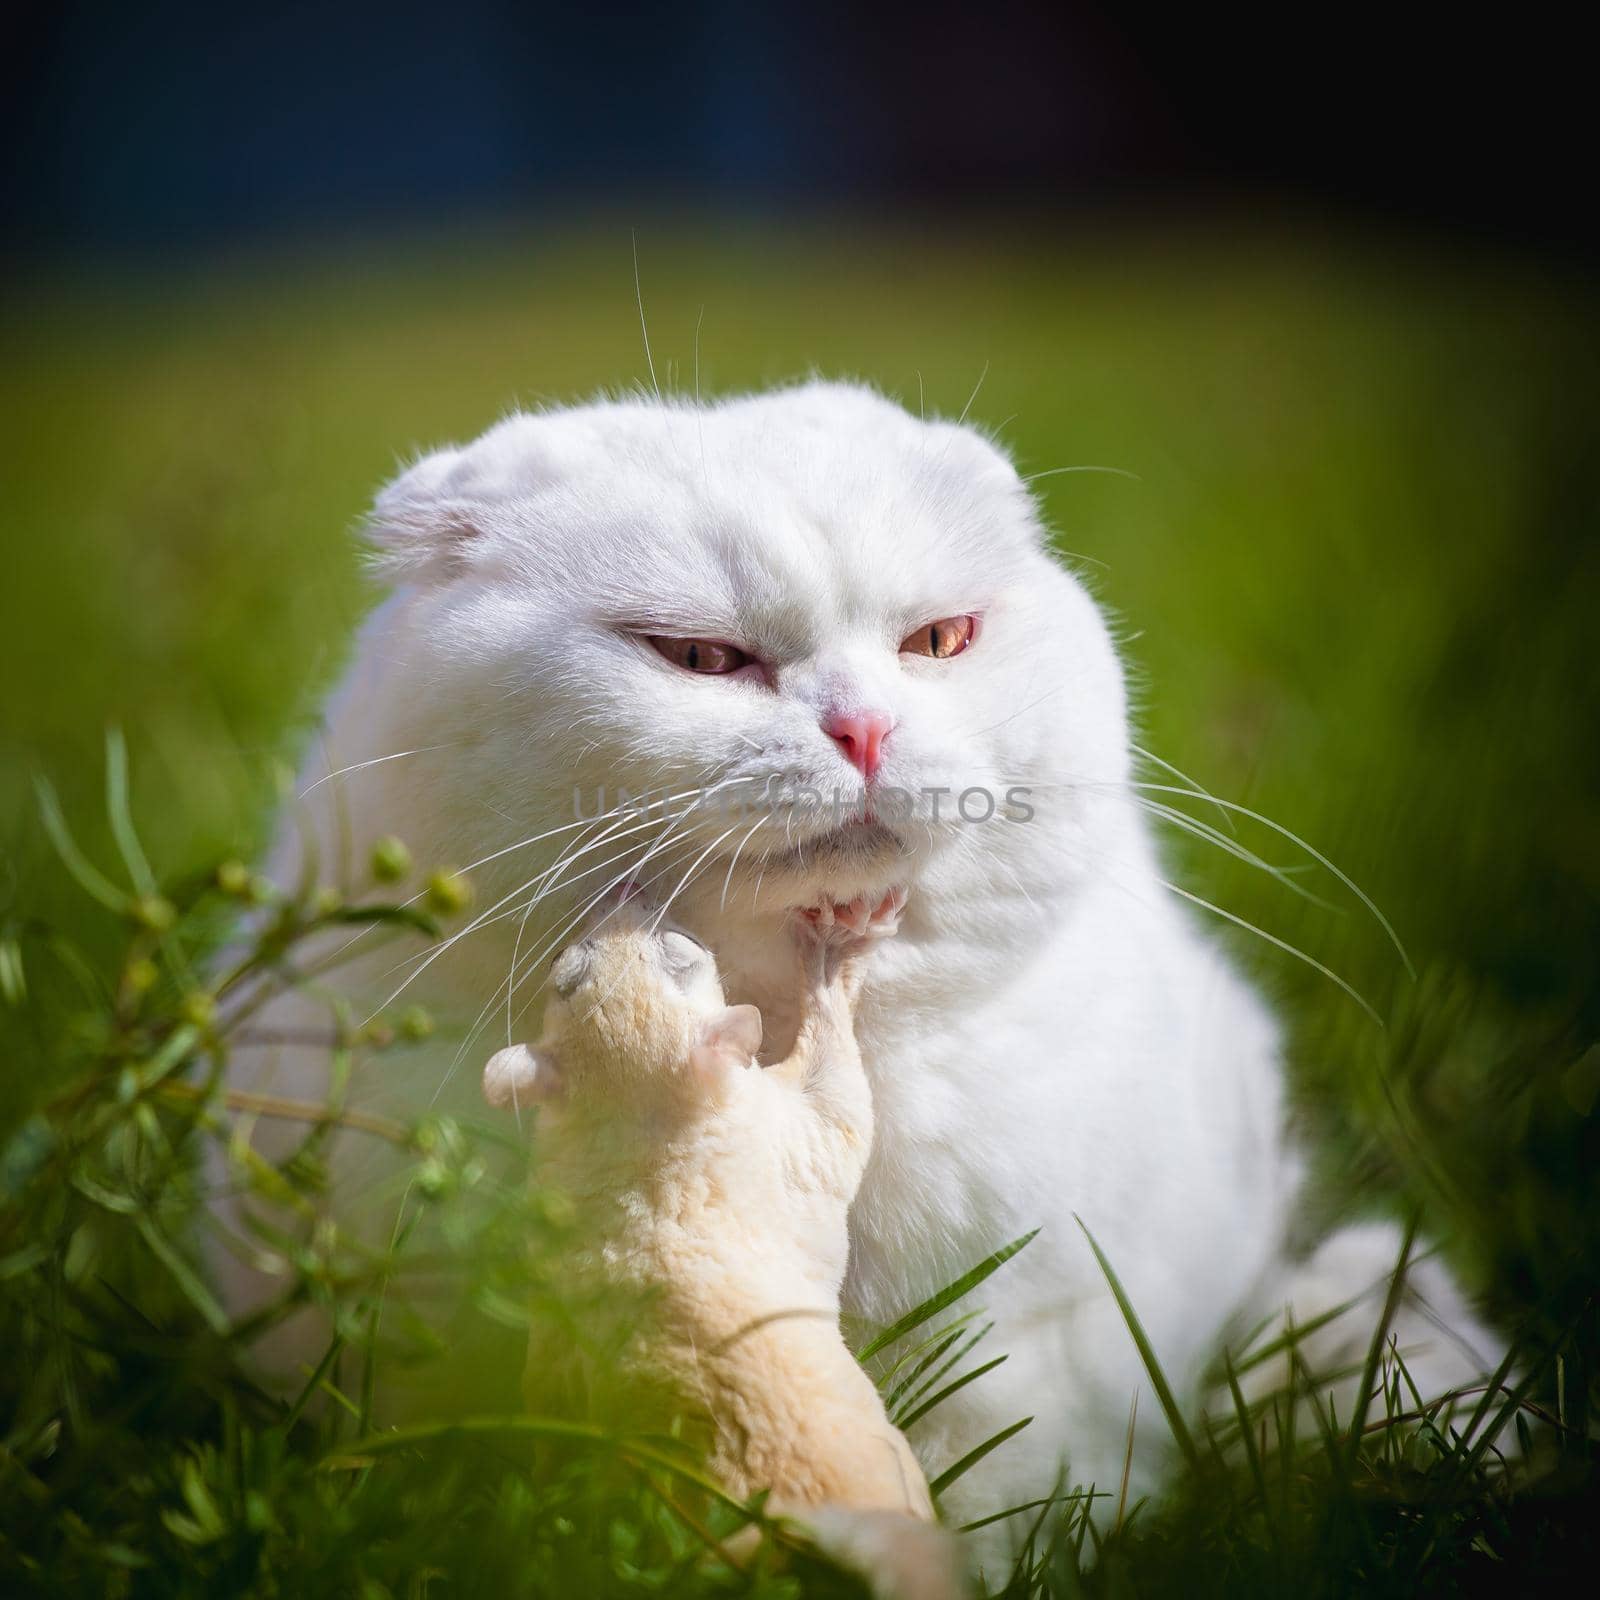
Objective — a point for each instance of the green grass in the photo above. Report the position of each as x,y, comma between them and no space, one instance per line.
1355,575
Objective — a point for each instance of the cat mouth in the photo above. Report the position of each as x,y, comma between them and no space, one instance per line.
853,842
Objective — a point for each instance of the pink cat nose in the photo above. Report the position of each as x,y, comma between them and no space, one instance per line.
860,735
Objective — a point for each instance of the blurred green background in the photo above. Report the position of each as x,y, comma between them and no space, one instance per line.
1355,577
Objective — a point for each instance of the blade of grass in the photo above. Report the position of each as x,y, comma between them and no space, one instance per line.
88,877
949,1389
961,1468
1369,1370
1030,1505
1473,1458
1147,1354
187,1279
1127,1463
1481,1410
962,1352
1252,1453
930,1351
330,1355
1252,1359
120,814
948,1295
925,1354
13,976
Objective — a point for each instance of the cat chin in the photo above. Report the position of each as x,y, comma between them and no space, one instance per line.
856,840
861,858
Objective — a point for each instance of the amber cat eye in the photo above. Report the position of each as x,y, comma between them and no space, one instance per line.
942,639
709,656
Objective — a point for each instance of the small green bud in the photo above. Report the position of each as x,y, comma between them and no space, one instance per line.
433,1177
415,1023
198,1008
326,901
155,912
141,976
391,861
377,1033
258,1512
449,893
233,877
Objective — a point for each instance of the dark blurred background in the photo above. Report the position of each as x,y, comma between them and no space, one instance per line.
173,127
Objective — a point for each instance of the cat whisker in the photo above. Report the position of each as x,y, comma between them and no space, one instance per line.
666,837
1200,830
527,911
722,904
1056,472
699,410
361,766
644,331
551,945
426,958
1102,868
507,987
421,894
1315,854
1182,777
514,977
974,395
709,849
1227,808
1282,944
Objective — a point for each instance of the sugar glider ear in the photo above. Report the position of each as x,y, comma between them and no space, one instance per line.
728,1042
518,1076
422,528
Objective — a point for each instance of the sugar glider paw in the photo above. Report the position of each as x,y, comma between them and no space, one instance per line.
517,1077
834,937
865,917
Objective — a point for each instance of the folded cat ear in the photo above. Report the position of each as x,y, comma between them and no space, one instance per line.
518,1076
728,1043
421,528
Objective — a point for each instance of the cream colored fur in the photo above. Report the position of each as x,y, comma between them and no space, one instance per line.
711,1199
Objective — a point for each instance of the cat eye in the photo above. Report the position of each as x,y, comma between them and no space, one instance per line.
942,639
709,656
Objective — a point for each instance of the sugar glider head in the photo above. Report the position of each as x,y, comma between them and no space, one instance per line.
636,1016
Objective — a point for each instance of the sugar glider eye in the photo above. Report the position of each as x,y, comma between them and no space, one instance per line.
570,968
947,637
682,952
708,656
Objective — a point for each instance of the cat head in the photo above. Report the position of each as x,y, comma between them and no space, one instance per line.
790,646
635,1018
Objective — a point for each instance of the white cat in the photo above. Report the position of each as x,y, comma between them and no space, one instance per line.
813,588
